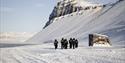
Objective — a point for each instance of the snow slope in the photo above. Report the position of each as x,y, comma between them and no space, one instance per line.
108,20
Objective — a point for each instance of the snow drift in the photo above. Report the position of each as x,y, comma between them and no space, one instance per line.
108,20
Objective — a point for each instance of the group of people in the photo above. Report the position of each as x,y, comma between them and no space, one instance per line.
72,43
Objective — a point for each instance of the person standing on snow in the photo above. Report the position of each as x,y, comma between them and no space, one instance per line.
62,43
65,43
73,43
70,43
76,43
56,44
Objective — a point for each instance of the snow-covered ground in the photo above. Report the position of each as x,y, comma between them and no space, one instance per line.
45,53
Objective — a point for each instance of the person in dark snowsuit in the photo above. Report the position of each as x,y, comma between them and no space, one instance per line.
70,43
73,43
62,43
56,44
65,43
76,43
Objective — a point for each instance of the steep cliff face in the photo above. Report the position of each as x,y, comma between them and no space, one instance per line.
69,6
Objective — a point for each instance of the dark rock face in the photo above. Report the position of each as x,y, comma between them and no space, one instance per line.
98,39
63,8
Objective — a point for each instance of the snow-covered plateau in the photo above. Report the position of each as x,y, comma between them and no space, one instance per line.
108,20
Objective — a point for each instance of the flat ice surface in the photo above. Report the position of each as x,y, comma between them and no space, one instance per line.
45,53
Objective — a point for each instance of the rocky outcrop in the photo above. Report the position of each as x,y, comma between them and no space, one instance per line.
62,8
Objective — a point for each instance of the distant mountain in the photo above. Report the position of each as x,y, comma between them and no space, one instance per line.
15,36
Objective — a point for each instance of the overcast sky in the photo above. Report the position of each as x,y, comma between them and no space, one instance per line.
24,15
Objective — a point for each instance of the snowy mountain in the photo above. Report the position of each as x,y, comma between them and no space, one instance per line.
65,7
15,36
108,20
